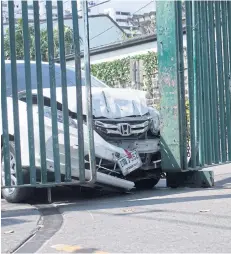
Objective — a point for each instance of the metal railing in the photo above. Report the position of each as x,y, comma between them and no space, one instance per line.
209,67
15,134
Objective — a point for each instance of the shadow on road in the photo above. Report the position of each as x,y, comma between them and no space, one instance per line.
11,221
144,199
17,213
77,199
223,182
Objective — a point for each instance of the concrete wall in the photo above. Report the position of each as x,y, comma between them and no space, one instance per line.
124,52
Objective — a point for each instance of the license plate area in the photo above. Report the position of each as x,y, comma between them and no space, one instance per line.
128,164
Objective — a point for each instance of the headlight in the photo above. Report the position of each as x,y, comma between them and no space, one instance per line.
155,120
155,125
47,113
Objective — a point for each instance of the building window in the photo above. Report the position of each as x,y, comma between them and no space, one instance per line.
125,13
122,20
91,3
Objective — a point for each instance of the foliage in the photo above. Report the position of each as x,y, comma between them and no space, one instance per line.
150,67
118,71
113,72
44,41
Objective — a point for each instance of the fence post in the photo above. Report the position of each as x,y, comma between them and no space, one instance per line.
173,132
138,74
133,72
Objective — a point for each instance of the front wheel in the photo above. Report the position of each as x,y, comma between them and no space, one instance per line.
146,184
14,195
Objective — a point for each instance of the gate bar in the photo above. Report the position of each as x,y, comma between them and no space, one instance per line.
229,91
181,86
210,83
5,132
53,91
64,92
191,81
200,91
220,81
87,70
203,82
40,92
226,76
206,84
30,124
196,67
213,81
15,92
78,83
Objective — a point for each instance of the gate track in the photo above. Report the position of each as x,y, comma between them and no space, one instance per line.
49,223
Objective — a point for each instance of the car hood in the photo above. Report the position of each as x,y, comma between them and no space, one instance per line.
106,102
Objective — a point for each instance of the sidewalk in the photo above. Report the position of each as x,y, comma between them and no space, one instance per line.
18,221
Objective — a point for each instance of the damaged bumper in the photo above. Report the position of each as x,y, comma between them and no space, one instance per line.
115,161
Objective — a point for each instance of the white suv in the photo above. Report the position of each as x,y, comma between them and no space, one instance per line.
126,132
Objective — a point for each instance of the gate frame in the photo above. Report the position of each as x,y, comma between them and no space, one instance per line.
5,134
179,171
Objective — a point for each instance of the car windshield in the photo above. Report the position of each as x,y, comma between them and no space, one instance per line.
21,83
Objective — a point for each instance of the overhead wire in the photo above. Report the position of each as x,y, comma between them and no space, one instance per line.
113,25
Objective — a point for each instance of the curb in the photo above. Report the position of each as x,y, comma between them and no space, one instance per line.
48,224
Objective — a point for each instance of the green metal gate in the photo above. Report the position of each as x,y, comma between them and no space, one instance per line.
196,129
8,135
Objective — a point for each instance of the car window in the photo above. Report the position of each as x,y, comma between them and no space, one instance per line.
21,82
70,71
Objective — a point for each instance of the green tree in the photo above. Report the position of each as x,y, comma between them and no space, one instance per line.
68,35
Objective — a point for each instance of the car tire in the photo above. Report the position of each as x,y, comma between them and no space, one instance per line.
15,195
146,184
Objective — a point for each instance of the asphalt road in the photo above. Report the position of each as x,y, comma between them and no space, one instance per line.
161,220
158,221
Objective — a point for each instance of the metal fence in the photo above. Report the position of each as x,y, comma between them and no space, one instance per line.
209,68
208,27
9,133
206,112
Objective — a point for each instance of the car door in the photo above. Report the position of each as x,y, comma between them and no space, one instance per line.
73,138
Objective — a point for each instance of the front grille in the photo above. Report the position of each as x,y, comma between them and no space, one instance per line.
122,129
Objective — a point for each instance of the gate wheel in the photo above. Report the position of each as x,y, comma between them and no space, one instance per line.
15,195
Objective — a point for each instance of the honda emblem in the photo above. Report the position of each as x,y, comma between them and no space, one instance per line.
124,129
